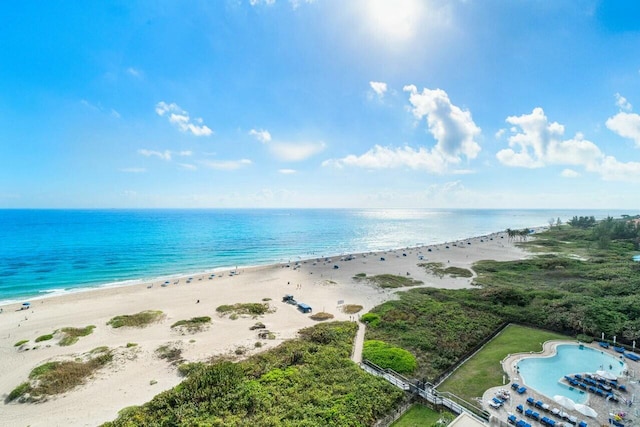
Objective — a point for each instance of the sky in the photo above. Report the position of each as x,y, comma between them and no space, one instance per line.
325,103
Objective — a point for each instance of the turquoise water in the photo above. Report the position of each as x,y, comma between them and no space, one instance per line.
636,258
53,251
543,373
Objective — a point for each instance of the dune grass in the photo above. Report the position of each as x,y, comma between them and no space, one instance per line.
138,320
72,335
321,316
388,280
351,308
45,337
19,343
58,377
250,308
484,371
195,324
437,268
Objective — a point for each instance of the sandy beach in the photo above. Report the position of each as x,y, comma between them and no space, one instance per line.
137,374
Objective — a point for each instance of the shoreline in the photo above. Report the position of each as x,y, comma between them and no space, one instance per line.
138,374
61,292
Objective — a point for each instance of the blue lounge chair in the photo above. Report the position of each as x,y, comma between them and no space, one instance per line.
622,387
530,401
535,416
599,392
511,419
497,401
603,344
618,349
577,376
538,404
582,386
521,423
515,386
632,356
522,390
616,423
544,421
582,424
528,413
520,408
592,389
551,423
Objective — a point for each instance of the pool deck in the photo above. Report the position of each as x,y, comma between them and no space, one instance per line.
599,404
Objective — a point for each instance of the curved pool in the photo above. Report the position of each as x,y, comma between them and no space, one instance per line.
543,373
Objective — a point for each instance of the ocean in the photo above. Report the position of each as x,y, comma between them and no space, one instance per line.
47,252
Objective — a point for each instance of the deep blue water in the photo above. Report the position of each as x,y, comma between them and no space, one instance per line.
45,251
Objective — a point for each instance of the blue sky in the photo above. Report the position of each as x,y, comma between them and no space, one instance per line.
325,103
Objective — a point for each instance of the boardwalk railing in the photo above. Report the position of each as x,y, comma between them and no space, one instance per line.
427,392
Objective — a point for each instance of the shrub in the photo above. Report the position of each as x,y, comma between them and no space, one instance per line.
371,319
584,338
393,281
19,343
46,337
138,320
131,344
387,356
19,391
170,353
251,308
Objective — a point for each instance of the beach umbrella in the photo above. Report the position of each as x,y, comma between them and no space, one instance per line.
586,410
565,401
607,375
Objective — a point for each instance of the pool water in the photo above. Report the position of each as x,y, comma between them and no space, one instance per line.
543,373
636,258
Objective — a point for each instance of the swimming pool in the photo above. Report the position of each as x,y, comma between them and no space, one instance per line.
636,258
543,373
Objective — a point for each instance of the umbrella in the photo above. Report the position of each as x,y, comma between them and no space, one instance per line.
565,401
586,410
607,375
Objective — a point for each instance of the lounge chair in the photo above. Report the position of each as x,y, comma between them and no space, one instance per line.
511,419
494,405
528,413
535,416
555,411
539,404
515,386
622,387
521,423
582,424
545,407
520,408
497,401
603,344
530,401
618,349
522,390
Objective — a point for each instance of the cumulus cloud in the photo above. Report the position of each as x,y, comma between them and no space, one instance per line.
287,171
380,88
535,142
227,165
288,151
261,135
627,125
452,127
181,120
569,173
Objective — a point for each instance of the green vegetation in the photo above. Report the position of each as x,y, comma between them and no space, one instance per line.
72,335
170,352
388,356
250,308
421,416
388,280
53,378
19,343
195,324
321,316
438,332
308,381
483,370
131,344
437,268
351,308
139,320
45,337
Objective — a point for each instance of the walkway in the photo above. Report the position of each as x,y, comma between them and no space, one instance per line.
356,356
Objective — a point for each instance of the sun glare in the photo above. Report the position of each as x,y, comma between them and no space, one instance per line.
396,21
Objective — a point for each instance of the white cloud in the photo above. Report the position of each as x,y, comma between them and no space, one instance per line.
622,103
288,151
164,155
380,88
295,151
180,119
258,2
452,127
296,3
261,135
388,158
536,143
188,166
500,133
134,72
185,153
569,173
287,171
226,165
133,170
627,125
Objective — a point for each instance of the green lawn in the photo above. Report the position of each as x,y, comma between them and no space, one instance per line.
417,416
484,371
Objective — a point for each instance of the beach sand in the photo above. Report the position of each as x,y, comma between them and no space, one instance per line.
137,374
